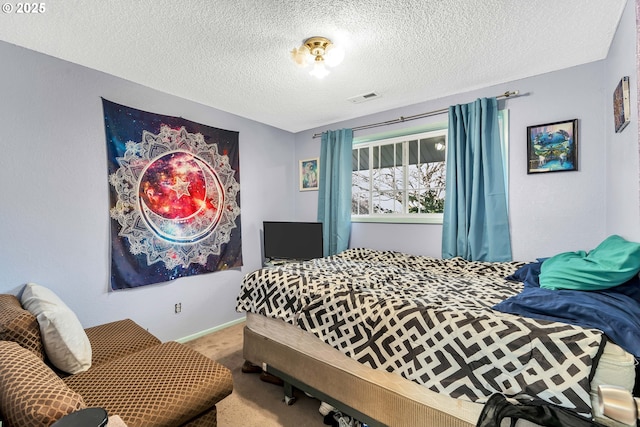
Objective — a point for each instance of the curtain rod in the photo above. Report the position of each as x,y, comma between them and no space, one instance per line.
507,94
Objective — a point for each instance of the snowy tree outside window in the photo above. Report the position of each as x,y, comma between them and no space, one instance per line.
400,177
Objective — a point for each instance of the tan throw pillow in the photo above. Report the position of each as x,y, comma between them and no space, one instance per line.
65,342
31,394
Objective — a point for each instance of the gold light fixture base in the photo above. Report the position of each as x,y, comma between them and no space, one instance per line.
318,51
317,46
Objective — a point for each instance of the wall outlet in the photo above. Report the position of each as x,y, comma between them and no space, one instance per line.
178,307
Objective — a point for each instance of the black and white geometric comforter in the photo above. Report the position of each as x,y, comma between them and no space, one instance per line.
430,320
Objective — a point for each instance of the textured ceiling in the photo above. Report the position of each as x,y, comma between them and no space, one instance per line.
234,54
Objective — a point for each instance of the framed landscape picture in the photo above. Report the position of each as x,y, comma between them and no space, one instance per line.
552,147
621,105
309,174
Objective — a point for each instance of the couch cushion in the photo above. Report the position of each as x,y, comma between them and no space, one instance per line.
208,419
116,339
30,392
65,342
19,325
166,385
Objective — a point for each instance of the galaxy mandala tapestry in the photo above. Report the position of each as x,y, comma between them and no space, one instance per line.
174,197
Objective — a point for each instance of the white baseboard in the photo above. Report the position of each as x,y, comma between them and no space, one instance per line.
208,331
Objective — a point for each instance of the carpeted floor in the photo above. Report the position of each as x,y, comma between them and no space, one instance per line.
253,403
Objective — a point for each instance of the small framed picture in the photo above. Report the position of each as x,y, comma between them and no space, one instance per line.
553,147
309,170
621,104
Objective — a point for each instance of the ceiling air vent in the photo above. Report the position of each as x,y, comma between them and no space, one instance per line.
362,98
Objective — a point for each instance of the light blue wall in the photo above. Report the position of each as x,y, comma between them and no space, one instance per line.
54,200
549,213
623,194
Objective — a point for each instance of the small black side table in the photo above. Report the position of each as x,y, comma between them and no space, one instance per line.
88,417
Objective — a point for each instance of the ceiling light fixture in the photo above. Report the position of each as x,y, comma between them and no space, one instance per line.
320,52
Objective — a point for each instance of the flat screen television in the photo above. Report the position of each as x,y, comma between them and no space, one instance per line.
292,240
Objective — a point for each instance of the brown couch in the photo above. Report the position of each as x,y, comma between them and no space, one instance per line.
132,375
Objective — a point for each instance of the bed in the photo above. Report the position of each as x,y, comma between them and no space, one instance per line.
401,340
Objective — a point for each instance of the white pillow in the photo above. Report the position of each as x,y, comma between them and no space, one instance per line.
65,341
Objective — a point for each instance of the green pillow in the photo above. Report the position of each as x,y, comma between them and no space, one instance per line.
612,263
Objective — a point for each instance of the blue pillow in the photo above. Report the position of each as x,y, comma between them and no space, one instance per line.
611,263
528,274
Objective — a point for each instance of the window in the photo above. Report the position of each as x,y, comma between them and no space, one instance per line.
400,179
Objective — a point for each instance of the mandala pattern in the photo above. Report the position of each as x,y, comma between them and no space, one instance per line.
173,206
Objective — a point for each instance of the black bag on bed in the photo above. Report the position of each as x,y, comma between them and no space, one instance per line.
498,408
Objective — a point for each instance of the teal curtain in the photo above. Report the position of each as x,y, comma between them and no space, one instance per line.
334,191
475,224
